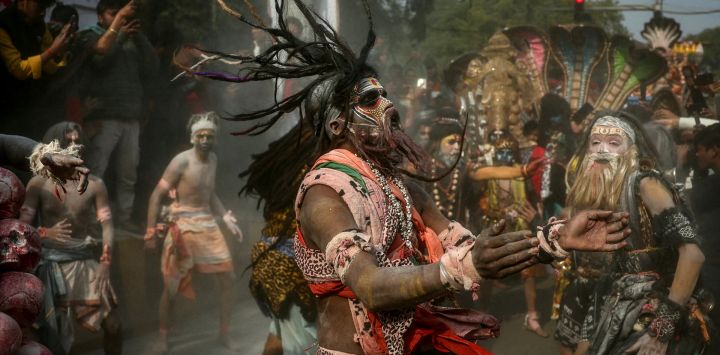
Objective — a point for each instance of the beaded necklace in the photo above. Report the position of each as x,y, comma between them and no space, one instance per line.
395,218
450,192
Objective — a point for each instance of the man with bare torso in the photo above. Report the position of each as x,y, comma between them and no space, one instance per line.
194,240
68,228
374,249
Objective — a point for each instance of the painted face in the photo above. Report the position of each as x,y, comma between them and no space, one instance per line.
608,139
450,145
204,139
371,108
505,157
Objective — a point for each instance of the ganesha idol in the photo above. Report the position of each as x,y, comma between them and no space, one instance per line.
505,86
21,293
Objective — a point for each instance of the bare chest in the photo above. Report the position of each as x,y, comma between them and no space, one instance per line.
78,209
197,178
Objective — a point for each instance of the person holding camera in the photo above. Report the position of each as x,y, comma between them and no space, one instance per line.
28,52
116,76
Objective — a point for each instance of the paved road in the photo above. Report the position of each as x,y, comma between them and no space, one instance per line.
196,324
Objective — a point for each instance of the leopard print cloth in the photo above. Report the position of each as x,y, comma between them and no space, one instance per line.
276,283
368,206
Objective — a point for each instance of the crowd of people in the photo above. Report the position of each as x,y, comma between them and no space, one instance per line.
393,200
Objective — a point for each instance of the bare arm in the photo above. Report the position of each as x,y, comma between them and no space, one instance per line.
216,206
170,178
32,200
690,258
657,199
496,172
107,42
324,215
102,205
509,172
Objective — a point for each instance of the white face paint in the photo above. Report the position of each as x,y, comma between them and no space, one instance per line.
608,143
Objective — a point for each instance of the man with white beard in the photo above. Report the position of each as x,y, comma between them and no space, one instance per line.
654,278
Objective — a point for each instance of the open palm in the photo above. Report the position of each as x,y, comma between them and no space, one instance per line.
596,231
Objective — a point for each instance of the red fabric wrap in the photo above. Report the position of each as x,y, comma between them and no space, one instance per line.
439,328
427,330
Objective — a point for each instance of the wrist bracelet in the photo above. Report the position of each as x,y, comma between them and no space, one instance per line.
448,281
113,30
42,231
548,237
668,315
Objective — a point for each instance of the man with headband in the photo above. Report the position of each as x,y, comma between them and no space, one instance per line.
375,250
651,307
193,240
75,266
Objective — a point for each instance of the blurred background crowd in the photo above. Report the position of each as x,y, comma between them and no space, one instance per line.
506,70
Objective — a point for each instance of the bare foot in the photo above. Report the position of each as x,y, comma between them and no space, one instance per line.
532,324
161,345
227,341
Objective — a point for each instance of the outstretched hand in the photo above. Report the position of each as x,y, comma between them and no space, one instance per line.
67,167
231,223
498,255
595,231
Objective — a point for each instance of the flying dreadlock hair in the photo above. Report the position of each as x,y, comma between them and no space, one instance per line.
327,59
262,175
333,70
275,194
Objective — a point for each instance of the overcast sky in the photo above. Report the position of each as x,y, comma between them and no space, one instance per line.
689,24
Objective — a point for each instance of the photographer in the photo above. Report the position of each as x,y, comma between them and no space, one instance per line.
27,48
28,52
117,75
60,16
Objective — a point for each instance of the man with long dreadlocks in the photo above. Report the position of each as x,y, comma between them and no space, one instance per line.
276,283
374,250
194,240
650,308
